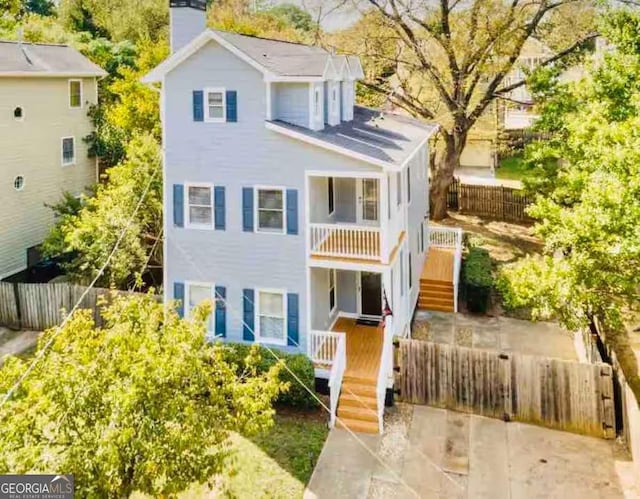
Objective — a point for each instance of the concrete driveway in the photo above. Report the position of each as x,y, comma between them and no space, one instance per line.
429,452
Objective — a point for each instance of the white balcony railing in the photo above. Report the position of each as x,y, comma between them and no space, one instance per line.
348,241
329,349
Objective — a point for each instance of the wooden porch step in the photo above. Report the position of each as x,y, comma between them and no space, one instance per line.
348,399
358,425
434,293
360,413
435,307
359,389
436,300
430,284
359,380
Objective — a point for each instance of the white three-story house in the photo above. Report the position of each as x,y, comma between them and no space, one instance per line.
299,213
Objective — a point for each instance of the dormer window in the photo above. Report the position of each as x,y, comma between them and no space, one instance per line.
316,103
215,99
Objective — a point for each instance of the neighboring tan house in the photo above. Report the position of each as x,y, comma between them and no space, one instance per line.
45,92
303,216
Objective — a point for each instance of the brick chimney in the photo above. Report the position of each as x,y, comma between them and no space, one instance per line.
188,18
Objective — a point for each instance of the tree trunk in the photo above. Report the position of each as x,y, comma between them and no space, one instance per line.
442,170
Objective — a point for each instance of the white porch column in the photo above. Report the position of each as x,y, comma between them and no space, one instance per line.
385,228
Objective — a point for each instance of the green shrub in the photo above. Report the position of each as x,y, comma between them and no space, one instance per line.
477,279
295,395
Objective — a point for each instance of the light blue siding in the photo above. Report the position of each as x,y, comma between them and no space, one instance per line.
291,103
236,155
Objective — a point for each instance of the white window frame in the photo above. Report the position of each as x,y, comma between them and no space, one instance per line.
75,80
215,90
332,272
187,217
187,301
256,321
62,161
256,209
317,103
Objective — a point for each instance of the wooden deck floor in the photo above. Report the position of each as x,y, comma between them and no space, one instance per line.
439,265
364,347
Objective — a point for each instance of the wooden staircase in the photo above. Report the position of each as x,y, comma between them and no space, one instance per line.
358,405
436,295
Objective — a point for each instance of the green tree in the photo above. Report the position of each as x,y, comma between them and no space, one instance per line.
447,61
588,208
143,403
90,235
295,16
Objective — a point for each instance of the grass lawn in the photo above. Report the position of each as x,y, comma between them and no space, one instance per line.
275,464
512,168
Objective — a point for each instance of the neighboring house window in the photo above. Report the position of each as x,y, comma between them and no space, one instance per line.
408,185
270,208
196,294
68,151
332,289
215,100
18,113
399,188
18,183
75,93
271,317
199,206
331,194
316,102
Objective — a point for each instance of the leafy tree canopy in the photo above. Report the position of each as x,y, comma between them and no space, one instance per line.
90,234
142,403
588,205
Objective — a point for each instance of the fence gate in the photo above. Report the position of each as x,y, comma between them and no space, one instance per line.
559,394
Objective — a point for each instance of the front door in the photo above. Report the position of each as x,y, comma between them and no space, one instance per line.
370,294
367,203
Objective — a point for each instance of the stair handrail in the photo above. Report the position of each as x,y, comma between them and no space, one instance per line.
457,262
386,364
338,367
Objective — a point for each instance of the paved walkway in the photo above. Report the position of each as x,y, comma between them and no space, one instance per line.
495,333
484,176
430,452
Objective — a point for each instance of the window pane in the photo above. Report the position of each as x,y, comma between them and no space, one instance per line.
215,112
74,94
332,278
269,219
67,150
198,294
200,215
200,195
271,327
215,98
270,199
332,299
271,304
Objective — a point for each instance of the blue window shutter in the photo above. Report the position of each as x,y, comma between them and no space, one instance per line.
178,294
178,205
198,105
221,311
219,204
292,211
248,327
293,327
247,209
232,106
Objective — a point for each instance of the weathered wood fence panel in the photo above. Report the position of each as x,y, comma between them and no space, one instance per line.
556,393
494,201
8,306
42,306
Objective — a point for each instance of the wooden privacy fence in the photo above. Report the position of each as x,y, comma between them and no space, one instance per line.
494,201
40,306
559,394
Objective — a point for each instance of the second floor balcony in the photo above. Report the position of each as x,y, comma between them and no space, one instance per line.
350,218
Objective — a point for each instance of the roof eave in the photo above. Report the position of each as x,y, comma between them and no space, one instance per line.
53,74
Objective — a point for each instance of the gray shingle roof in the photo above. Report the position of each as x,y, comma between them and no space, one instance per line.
282,58
381,136
44,59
